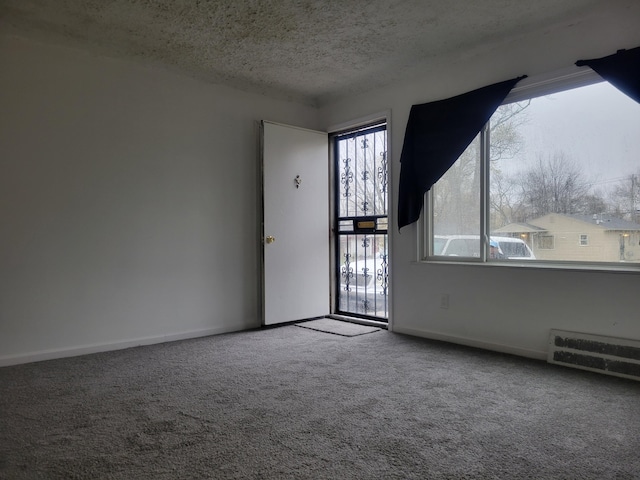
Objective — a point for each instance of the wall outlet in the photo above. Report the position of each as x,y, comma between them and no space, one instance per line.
444,300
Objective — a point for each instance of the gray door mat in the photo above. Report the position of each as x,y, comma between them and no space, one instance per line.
337,327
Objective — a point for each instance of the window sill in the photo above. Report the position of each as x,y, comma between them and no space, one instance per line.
541,265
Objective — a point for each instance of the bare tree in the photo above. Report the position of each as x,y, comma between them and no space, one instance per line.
505,139
504,200
594,203
555,185
625,198
457,194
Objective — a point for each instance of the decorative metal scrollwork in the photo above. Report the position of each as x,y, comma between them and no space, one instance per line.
346,178
382,173
382,274
365,273
347,272
363,270
366,306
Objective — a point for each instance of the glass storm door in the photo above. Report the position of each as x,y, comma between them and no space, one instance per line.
361,202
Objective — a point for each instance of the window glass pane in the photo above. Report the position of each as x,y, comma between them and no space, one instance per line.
364,275
456,207
565,177
543,241
362,174
345,225
382,223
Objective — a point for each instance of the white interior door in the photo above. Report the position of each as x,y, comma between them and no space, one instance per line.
295,172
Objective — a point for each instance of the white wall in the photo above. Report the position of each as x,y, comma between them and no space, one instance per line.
128,203
503,308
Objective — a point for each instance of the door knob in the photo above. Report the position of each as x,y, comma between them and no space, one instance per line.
270,239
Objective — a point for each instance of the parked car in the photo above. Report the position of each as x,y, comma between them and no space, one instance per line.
469,246
514,248
364,287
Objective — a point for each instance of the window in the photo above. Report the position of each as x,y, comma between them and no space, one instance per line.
554,176
544,242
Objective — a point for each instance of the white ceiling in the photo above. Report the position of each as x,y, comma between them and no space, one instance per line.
305,50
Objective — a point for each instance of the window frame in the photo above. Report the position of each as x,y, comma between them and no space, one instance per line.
582,243
553,242
532,87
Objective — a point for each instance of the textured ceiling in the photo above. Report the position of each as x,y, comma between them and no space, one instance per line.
304,50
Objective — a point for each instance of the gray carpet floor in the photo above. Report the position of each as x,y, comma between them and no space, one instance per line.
294,403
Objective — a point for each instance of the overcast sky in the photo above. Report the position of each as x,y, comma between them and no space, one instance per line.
597,126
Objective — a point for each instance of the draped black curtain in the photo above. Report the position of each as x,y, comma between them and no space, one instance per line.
437,134
622,70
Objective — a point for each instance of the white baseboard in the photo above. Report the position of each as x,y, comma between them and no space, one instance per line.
361,321
120,345
470,342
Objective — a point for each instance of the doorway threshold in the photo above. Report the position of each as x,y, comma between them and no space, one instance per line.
361,321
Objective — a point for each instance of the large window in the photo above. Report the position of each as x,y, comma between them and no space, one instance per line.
552,177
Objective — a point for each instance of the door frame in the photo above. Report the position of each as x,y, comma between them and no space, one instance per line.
333,130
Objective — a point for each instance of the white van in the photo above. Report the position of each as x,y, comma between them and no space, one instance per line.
513,248
469,246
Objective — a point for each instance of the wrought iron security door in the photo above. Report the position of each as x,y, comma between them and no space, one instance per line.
361,223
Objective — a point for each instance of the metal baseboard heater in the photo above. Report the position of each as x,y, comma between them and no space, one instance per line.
608,355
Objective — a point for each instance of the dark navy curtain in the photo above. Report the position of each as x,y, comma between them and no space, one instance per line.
622,70
437,134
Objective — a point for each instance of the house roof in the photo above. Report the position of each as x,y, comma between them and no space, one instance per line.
312,51
519,228
606,221
602,220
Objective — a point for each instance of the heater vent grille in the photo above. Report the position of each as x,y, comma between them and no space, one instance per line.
609,355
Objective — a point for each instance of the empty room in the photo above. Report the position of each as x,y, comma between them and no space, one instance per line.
319,239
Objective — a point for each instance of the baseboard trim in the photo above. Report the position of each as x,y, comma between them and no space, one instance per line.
470,342
120,345
361,321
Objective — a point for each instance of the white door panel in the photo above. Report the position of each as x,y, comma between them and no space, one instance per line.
296,276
